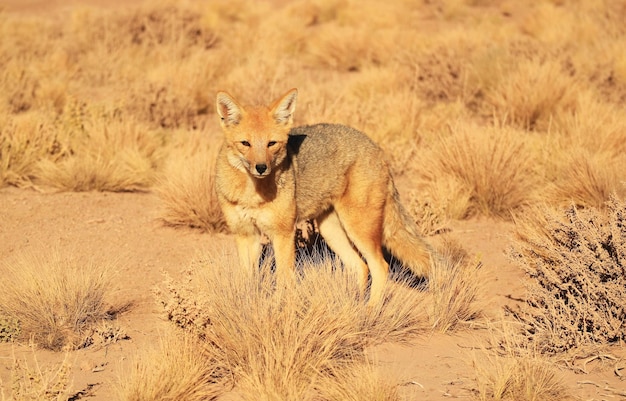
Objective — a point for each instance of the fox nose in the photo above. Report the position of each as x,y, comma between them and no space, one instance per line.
260,168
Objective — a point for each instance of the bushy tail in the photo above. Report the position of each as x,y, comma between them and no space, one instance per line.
401,236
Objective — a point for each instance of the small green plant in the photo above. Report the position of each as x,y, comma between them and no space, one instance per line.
9,329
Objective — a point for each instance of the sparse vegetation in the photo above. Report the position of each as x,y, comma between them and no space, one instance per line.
37,382
98,123
484,108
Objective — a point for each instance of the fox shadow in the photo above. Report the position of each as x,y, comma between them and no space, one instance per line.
312,249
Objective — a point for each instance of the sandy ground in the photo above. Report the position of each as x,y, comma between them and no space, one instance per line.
124,228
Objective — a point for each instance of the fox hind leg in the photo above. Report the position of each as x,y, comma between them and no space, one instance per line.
337,239
364,227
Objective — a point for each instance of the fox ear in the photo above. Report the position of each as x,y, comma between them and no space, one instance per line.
228,109
283,108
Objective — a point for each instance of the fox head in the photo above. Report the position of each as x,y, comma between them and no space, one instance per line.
257,136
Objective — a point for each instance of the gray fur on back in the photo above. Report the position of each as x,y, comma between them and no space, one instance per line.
324,154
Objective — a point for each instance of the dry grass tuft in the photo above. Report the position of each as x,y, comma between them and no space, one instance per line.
360,381
588,179
281,341
56,301
179,369
23,142
105,154
575,261
492,165
188,193
508,370
533,94
454,289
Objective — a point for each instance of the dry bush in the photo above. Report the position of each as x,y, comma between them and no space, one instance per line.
9,329
509,369
440,71
55,300
187,189
492,165
454,287
179,369
39,383
281,341
575,262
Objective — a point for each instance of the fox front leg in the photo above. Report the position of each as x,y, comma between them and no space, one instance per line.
249,250
285,254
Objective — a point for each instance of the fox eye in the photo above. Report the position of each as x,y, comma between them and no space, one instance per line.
271,143
245,143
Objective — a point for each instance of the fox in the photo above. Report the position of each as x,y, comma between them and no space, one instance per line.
270,175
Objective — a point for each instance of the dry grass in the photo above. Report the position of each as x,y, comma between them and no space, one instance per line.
588,179
87,95
360,381
178,369
488,170
509,369
533,94
23,142
285,341
483,108
277,341
35,382
454,287
187,189
104,153
55,300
